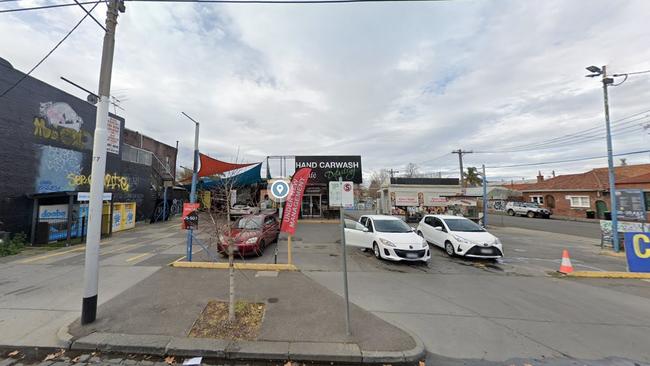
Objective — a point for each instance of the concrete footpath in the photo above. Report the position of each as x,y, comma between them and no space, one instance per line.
303,321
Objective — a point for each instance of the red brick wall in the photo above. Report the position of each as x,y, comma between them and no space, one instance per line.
159,149
563,204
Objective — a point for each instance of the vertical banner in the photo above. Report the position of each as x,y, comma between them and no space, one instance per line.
294,201
190,216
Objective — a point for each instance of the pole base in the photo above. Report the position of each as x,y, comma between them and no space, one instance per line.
88,310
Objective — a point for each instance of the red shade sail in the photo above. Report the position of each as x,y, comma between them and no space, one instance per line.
210,166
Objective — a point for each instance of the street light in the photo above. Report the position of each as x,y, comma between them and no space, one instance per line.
194,179
610,158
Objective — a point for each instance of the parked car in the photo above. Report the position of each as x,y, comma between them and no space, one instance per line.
251,234
529,209
388,237
459,236
240,209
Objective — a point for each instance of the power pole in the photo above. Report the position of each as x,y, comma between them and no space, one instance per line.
460,153
91,267
610,163
392,172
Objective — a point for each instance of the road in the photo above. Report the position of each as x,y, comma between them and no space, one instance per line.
480,312
577,228
42,293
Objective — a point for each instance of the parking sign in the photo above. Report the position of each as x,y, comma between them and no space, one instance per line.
341,194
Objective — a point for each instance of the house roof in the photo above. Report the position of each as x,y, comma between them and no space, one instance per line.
516,186
595,179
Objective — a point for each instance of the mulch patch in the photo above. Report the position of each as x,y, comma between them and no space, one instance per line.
213,321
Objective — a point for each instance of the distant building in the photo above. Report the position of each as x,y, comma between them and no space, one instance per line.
572,195
401,192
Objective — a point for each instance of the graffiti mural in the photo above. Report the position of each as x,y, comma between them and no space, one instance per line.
57,121
55,164
112,182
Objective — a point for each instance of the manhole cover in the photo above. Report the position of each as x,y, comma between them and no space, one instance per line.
272,300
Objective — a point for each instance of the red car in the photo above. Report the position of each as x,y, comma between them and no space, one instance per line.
251,234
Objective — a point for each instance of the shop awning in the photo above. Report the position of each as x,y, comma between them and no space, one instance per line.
211,166
247,178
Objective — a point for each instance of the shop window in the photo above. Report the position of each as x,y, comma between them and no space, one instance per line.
579,201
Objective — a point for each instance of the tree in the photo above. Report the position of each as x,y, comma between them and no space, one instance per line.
377,178
412,170
472,177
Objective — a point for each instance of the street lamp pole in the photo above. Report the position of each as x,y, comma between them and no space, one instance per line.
485,203
610,157
194,181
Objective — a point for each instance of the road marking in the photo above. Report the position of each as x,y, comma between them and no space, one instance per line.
137,257
46,256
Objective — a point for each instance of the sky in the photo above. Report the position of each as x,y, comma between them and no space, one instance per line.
396,83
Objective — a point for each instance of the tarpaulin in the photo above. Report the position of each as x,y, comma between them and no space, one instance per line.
211,166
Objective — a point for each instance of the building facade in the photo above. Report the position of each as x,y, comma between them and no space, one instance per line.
415,192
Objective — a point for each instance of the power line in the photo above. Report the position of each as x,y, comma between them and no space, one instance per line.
49,53
568,160
633,73
90,15
49,6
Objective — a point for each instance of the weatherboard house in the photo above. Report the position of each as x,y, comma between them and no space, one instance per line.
573,195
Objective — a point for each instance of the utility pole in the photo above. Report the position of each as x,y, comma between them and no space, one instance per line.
392,172
460,153
98,169
485,203
610,163
195,170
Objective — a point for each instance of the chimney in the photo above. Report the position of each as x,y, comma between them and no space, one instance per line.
540,177
553,173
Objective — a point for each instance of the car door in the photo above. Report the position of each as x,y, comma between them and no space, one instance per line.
438,237
270,229
426,228
355,235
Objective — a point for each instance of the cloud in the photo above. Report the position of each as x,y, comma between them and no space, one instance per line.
393,82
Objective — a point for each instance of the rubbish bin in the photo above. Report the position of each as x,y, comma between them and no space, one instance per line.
591,214
608,215
42,233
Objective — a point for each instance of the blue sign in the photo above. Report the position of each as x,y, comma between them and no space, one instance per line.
637,250
280,189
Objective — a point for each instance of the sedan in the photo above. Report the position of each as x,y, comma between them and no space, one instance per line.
459,236
388,237
250,234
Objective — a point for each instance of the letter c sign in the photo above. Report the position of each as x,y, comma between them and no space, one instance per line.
637,251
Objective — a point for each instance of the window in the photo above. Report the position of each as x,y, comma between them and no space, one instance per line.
428,220
369,225
462,224
580,201
363,221
537,199
437,222
647,200
392,226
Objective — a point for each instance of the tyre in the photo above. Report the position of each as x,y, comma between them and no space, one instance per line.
511,212
530,214
420,234
449,248
375,249
260,249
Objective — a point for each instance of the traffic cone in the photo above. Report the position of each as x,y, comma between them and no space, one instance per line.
565,266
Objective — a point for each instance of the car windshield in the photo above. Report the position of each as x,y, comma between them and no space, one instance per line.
463,225
391,226
248,223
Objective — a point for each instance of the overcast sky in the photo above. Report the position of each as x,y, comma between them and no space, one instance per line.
392,82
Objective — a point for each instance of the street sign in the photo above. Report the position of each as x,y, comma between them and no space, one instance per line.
637,251
341,194
190,215
85,196
279,189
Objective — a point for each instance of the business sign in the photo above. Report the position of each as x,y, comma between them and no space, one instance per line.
406,199
52,213
279,189
341,194
294,201
637,251
85,196
631,205
326,169
433,200
190,215
113,135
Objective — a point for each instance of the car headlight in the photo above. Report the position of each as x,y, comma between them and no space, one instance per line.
252,240
387,243
424,243
462,240
497,241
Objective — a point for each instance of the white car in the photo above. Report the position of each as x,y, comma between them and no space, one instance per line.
389,238
459,236
242,209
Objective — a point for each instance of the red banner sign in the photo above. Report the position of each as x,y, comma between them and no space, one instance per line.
189,209
294,201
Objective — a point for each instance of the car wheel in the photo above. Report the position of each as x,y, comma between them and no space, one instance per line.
449,248
260,249
375,249
420,234
530,214
511,212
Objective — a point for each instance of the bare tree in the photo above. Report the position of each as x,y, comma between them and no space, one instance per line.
412,170
377,178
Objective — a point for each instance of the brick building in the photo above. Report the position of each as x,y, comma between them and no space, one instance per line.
572,195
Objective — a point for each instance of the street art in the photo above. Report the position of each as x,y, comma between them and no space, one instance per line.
111,182
498,205
59,122
55,164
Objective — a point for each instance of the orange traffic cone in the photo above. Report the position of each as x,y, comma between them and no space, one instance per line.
565,266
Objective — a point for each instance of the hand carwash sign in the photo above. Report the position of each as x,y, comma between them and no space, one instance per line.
326,169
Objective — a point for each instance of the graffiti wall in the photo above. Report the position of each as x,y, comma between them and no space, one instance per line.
47,144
